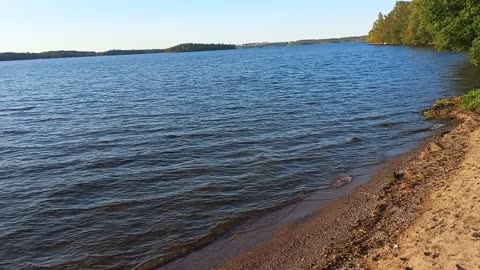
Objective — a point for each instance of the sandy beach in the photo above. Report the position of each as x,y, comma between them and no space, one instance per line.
447,234
420,212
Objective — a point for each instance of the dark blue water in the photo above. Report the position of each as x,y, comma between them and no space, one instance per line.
109,162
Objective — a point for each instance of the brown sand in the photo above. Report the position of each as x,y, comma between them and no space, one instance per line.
447,234
426,215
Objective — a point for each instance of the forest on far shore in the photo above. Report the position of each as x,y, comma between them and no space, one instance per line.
190,47
447,25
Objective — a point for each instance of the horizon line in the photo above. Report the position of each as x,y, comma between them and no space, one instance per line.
145,49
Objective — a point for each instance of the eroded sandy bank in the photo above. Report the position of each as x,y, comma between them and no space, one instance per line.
447,234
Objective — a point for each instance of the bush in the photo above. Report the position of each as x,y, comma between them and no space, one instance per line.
471,101
441,108
475,52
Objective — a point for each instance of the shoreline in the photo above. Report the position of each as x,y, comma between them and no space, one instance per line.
322,204
261,229
446,234
356,231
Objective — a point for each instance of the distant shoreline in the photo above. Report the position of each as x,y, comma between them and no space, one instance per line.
186,47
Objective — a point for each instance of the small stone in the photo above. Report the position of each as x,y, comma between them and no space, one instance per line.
344,180
427,253
436,255
408,268
435,147
459,267
476,234
405,259
399,175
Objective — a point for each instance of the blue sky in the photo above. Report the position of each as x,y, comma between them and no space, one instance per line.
41,25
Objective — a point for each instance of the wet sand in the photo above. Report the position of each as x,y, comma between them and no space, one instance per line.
421,211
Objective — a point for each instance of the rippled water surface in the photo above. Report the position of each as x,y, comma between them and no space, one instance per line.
109,162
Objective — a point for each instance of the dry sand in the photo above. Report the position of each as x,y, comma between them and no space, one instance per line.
447,234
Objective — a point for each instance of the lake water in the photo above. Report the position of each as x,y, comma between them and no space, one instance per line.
109,162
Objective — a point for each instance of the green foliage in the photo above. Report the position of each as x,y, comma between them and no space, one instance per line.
471,101
397,22
196,47
439,108
401,26
452,25
453,22
416,33
475,52
377,34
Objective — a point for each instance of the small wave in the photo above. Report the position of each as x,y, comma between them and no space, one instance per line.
415,131
16,109
108,163
52,119
185,248
211,188
108,207
353,139
16,132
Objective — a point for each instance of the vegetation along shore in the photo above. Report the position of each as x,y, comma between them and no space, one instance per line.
447,25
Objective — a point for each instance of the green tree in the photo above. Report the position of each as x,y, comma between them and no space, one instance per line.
416,32
454,23
389,29
376,35
475,52
398,21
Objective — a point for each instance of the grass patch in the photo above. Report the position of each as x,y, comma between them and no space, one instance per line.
441,103
440,106
471,101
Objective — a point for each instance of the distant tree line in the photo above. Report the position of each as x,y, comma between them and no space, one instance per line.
9,56
127,52
44,55
329,40
304,42
197,47
190,47
452,25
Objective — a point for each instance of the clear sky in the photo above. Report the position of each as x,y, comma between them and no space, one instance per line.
41,25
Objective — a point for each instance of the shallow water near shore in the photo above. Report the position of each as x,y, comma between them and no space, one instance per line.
110,162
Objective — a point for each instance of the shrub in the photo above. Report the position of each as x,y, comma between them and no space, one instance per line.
475,52
441,108
471,101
